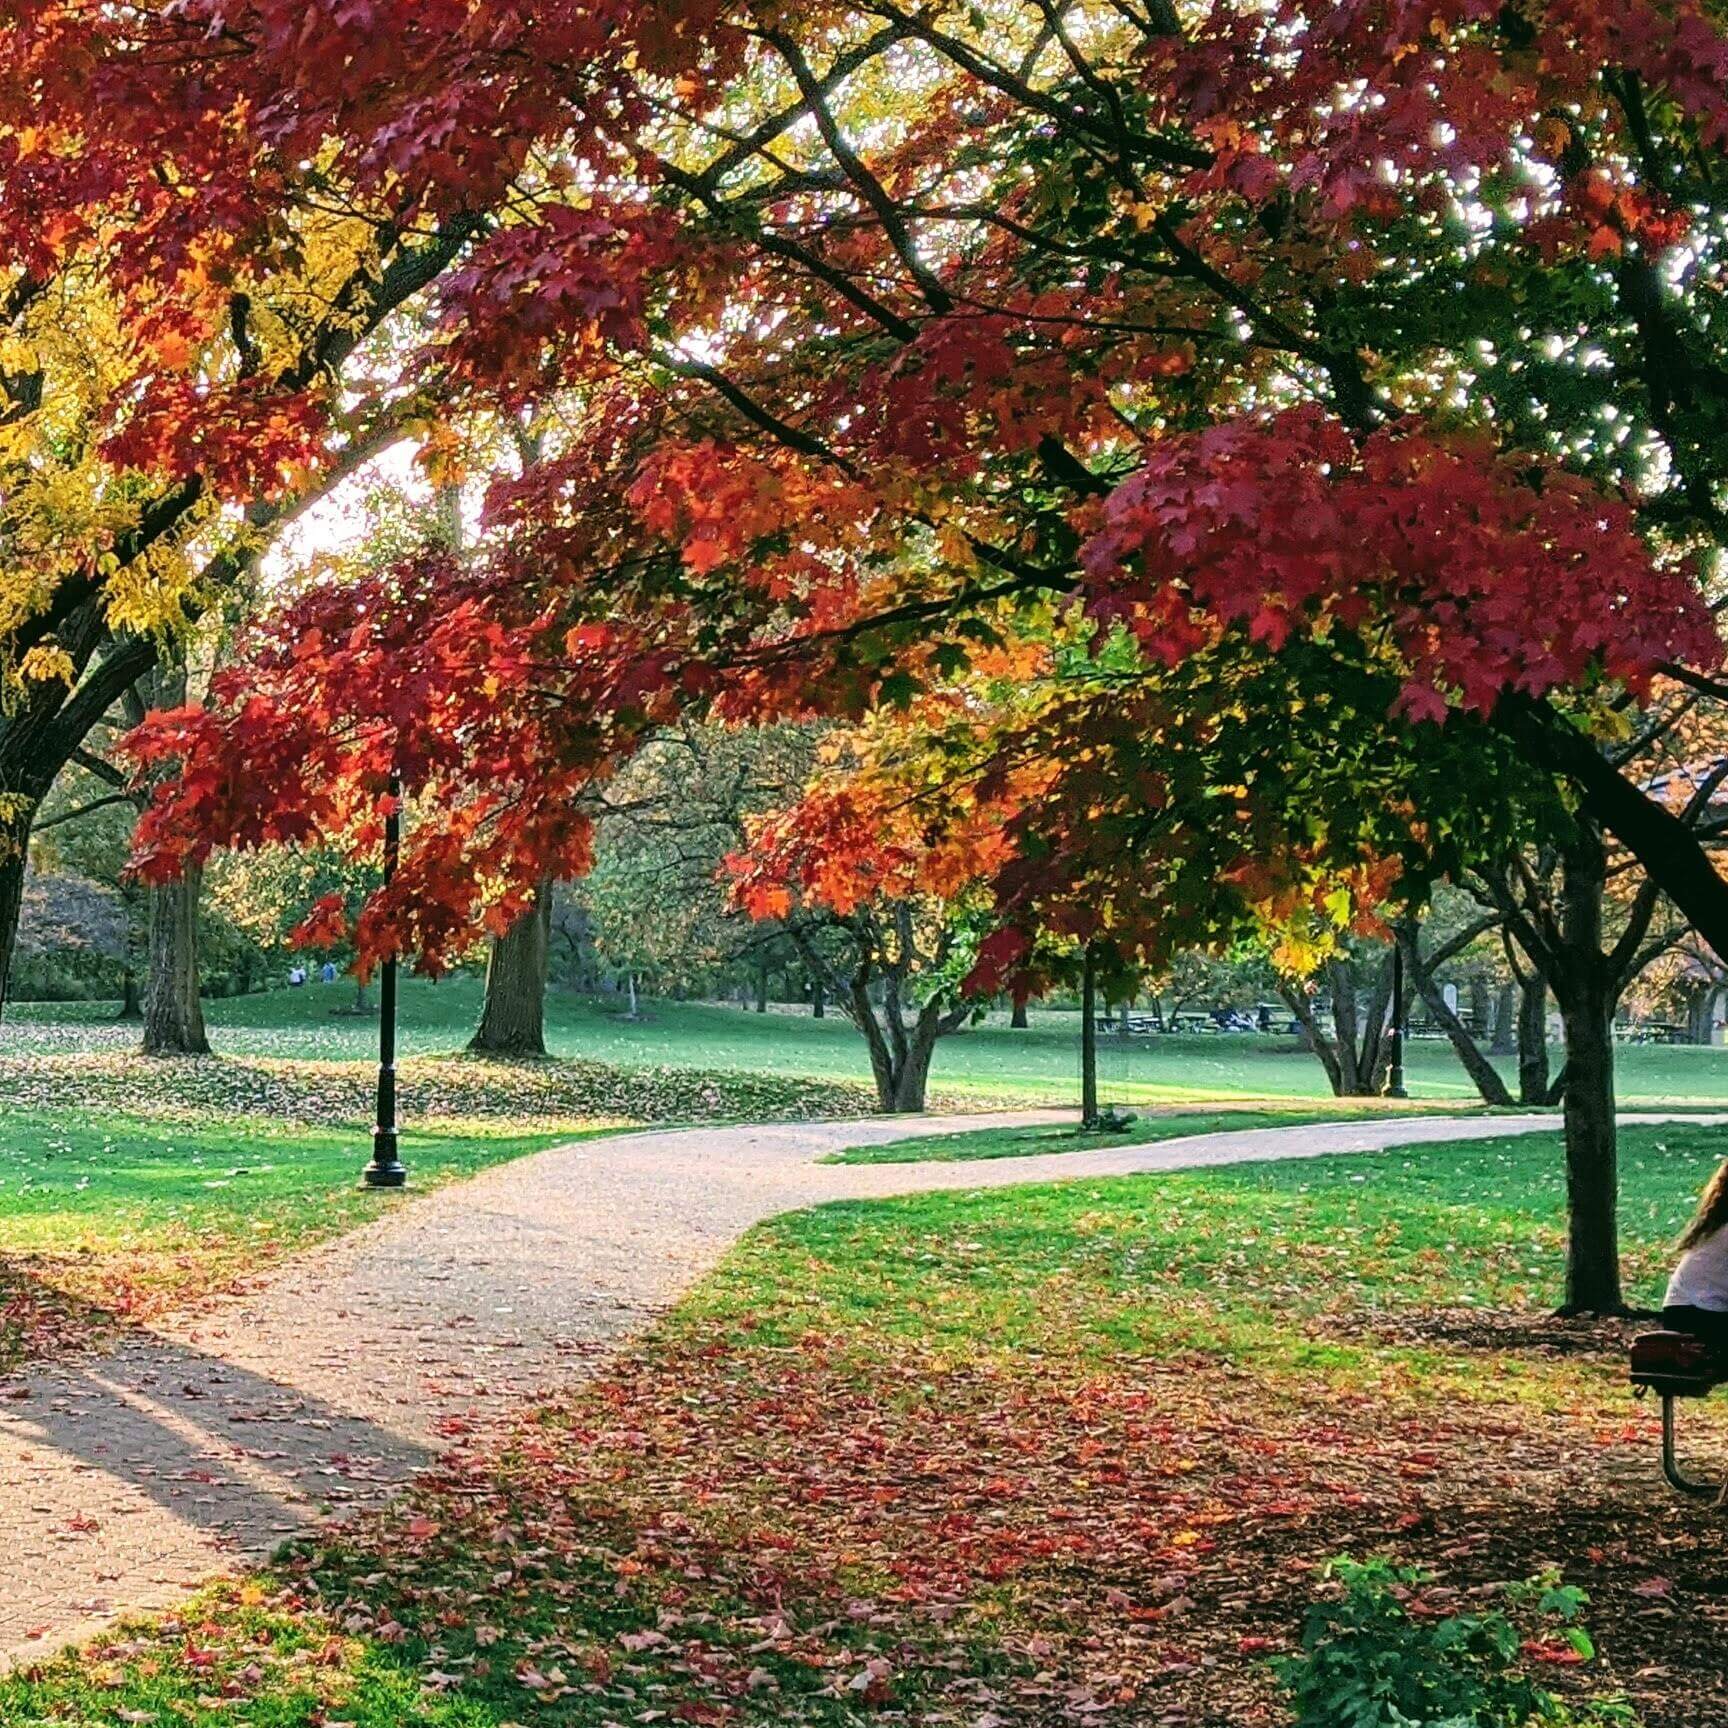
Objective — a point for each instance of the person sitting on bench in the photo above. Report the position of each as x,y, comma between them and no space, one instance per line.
1697,1299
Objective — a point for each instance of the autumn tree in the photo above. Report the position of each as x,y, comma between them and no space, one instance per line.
887,918
948,321
218,222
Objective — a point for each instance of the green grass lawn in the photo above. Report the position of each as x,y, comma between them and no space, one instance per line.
116,1189
1475,1223
105,1218
1034,1455
127,1185
1030,1142
982,1065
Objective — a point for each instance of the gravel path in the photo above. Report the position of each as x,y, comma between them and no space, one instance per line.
128,1477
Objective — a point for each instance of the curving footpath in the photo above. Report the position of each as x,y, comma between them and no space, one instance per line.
127,1478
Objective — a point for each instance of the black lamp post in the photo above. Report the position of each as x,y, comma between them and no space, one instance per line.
387,1169
1395,1066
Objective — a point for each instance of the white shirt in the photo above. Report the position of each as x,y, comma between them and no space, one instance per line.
1701,1278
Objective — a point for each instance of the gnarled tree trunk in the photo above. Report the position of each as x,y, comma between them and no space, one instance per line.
900,1052
1354,1057
173,1015
513,1017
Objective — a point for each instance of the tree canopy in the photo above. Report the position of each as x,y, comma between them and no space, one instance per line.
861,341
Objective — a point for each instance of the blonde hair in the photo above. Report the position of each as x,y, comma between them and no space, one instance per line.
1712,1211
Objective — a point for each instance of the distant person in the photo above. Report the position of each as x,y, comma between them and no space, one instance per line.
1697,1299
328,974
296,977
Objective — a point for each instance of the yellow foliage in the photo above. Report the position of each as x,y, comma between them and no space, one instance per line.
46,662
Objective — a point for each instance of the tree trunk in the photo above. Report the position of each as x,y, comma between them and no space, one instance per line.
513,1018
1533,1042
173,1016
1505,1021
14,851
1355,1056
1017,1020
1341,977
131,1003
1302,1006
912,1081
1089,1042
818,1001
1701,1014
1592,1172
1482,1072
761,989
362,1004
1587,1011
1481,1006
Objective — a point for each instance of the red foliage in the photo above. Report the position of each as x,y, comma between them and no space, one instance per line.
1492,571
819,410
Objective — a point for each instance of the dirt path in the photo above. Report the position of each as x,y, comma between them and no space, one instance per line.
127,1478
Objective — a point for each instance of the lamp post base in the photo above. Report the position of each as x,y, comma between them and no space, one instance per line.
386,1169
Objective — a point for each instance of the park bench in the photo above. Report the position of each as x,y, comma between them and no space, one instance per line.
1675,1365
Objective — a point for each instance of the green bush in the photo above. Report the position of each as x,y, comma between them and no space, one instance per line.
63,976
1382,1654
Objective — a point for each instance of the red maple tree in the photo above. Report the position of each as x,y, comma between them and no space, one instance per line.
1277,322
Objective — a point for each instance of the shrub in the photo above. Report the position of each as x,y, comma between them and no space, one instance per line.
1384,1653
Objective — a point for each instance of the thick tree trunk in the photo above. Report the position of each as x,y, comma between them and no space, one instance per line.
1017,1020
173,1016
1354,1057
1592,1167
912,1081
1533,1043
513,1017
1505,1021
131,1003
1350,1081
1587,1011
900,1054
818,1000
1089,1043
761,989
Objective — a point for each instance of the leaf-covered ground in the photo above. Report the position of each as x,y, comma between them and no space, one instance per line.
1054,1455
